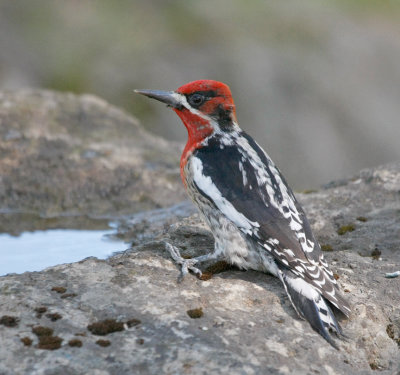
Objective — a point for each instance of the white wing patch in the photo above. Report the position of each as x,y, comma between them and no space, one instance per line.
205,184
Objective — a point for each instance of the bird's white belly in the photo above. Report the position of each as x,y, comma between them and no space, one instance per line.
230,241
234,245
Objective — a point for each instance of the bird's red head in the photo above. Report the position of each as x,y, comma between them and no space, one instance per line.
204,106
211,98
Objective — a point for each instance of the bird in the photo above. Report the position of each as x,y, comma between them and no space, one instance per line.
256,221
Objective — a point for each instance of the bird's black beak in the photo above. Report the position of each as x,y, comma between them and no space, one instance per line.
167,97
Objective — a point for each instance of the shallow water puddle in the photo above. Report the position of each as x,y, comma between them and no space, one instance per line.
34,251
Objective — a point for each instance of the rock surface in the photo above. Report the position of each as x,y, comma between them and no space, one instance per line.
68,154
128,314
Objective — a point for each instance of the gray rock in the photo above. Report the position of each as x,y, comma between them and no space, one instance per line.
248,325
63,154
67,154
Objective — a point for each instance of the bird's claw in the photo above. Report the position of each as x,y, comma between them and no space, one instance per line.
186,264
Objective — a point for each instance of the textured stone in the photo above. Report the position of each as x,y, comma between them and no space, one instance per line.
68,154
248,325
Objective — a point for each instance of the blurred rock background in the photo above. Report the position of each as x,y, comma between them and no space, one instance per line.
316,83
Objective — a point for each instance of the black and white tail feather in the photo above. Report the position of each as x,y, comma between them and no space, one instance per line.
310,305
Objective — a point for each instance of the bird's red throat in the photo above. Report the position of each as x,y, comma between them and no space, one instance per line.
198,129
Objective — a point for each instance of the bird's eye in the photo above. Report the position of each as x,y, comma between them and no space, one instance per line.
196,100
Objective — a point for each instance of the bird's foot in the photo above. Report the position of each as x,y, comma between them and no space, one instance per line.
187,264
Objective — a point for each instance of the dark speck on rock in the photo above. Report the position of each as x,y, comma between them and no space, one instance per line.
103,343
41,309
9,321
68,295
53,316
105,327
195,313
59,289
326,247
345,229
49,342
27,341
75,343
42,331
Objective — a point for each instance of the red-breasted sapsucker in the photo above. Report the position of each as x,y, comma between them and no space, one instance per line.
253,214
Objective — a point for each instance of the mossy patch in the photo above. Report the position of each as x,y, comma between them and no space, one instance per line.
46,339
219,267
9,321
326,247
345,229
309,191
27,341
363,219
54,316
75,343
195,313
103,343
59,289
205,276
40,311
49,342
40,331
68,295
105,327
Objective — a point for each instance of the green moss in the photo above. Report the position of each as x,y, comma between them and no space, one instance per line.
49,342
9,321
103,343
59,289
40,331
46,339
105,327
75,343
41,309
345,229
54,316
27,341
309,191
362,219
68,295
326,247
205,276
195,313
